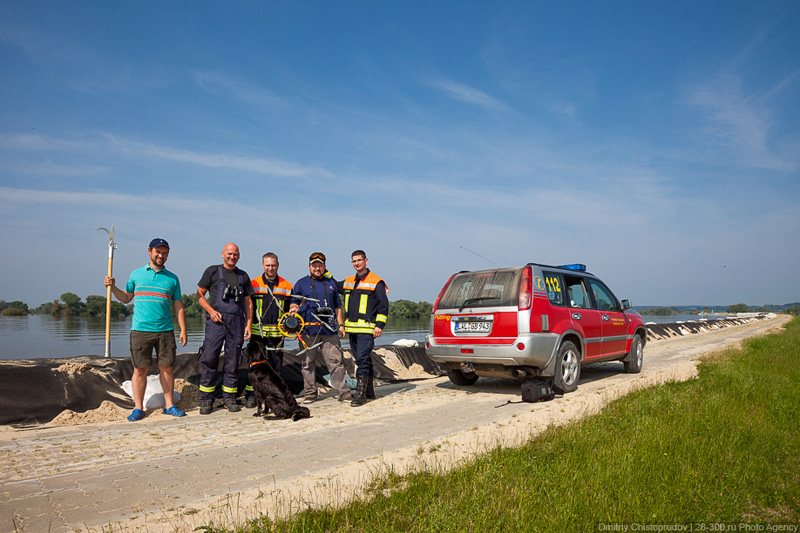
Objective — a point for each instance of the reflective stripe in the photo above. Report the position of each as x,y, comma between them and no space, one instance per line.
207,388
248,388
232,390
346,301
277,291
381,318
362,304
361,326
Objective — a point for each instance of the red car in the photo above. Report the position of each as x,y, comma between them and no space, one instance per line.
534,321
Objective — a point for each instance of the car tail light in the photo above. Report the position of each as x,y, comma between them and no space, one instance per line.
467,350
525,286
441,293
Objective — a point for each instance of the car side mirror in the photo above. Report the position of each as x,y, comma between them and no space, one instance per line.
626,304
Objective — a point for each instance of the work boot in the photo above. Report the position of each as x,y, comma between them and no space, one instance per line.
231,405
206,406
250,401
370,394
359,398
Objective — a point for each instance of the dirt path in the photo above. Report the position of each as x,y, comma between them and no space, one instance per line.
176,474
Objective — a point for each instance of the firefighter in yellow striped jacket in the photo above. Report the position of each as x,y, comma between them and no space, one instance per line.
366,306
271,298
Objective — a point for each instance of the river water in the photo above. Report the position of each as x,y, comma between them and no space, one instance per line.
40,336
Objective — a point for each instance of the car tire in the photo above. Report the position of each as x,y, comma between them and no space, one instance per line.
457,377
568,368
633,362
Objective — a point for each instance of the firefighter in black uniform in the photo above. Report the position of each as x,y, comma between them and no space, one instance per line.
366,306
228,322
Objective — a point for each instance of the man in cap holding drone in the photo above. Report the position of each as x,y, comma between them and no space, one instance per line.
316,299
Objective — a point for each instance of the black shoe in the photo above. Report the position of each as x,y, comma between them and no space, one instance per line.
231,405
250,402
360,396
206,407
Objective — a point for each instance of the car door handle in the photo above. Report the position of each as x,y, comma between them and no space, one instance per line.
604,317
577,316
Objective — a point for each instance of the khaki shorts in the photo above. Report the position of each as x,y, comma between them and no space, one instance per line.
143,343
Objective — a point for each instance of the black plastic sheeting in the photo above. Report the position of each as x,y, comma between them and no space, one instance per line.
34,391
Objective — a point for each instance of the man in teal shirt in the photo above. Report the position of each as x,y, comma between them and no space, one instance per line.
156,292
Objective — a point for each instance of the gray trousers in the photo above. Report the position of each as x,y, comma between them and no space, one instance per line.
331,354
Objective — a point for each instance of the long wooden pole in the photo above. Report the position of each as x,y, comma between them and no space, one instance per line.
111,246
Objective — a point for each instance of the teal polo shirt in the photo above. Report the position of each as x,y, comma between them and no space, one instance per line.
153,291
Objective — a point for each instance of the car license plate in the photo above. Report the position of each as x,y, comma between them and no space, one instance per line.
472,326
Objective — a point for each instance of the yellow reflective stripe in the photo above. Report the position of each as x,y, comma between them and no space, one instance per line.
361,326
346,301
380,318
207,388
249,388
362,304
362,329
229,389
265,327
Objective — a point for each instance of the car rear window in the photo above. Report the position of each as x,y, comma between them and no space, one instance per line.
488,288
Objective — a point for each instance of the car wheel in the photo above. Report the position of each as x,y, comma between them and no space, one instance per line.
461,378
633,363
568,368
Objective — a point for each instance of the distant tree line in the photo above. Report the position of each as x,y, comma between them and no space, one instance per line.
15,308
70,304
409,309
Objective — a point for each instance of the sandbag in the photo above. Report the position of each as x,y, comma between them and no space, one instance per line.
153,393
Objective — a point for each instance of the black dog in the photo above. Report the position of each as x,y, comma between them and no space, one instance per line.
269,387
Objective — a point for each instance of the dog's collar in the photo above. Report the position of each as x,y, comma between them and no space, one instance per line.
256,363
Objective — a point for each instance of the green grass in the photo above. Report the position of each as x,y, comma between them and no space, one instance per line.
720,448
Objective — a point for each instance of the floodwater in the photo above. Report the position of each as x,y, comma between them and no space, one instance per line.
41,336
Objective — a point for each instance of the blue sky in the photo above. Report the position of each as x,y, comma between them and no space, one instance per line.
657,142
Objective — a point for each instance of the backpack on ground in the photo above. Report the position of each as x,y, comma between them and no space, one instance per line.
537,390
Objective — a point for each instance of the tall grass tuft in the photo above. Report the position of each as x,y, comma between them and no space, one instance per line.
721,448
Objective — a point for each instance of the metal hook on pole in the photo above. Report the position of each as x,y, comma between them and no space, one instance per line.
111,245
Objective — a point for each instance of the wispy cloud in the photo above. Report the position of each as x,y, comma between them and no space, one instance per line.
741,122
218,84
467,94
140,149
258,165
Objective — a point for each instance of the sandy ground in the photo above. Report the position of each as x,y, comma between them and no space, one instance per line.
175,474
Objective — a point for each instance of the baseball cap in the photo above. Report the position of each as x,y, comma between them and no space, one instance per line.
155,243
316,256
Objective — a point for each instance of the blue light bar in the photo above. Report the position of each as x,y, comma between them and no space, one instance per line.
578,267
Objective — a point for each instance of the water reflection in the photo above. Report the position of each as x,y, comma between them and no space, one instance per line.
39,336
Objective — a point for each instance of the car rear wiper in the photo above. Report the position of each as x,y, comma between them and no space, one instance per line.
473,300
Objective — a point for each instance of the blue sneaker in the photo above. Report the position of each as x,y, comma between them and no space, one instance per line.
174,411
136,415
